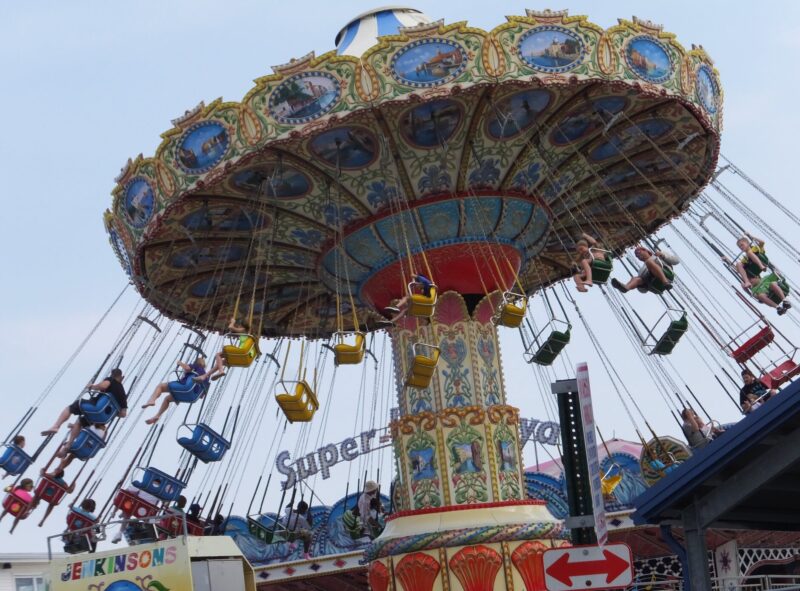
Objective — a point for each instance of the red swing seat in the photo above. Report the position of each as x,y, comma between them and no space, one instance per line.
132,505
780,374
753,345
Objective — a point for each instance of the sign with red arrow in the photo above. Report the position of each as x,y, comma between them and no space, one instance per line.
588,567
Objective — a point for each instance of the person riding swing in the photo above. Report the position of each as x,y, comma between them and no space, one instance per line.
651,275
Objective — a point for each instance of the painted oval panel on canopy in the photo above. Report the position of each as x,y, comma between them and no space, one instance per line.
202,146
516,113
139,201
551,49
707,88
304,97
648,59
428,62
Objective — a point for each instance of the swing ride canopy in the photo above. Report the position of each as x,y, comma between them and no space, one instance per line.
473,157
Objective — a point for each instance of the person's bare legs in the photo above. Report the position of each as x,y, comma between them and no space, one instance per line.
62,418
764,299
160,389
586,265
74,430
217,368
579,283
164,406
656,270
776,289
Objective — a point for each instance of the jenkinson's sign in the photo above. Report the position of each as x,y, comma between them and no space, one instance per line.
327,456
155,567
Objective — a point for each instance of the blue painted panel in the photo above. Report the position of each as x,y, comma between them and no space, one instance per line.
364,247
516,215
440,220
539,225
481,215
399,236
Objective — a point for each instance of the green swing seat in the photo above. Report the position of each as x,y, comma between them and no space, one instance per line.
601,267
670,338
784,287
657,287
551,347
268,535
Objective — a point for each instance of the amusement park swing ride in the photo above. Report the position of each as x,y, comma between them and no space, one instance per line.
395,205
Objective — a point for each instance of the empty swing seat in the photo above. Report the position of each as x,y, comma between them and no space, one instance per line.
269,535
753,345
14,460
609,482
205,444
50,491
131,505
419,304
242,354
601,267
300,406
780,374
160,484
551,347
100,409
511,311
670,338
347,354
187,390
423,366
86,444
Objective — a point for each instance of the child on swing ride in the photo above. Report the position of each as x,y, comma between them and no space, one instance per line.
652,270
399,307
751,265
240,328
196,371
583,262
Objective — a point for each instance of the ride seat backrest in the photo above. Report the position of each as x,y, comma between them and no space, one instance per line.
17,506
14,460
49,491
132,505
780,374
303,398
601,266
420,305
784,288
753,345
160,485
346,353
551,347
671,336
100,409
656,286
244,355
86,444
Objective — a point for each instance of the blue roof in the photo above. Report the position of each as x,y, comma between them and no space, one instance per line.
675,491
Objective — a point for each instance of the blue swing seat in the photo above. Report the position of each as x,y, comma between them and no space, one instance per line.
205,444
160,485
14,461
100,409
86,444
187,390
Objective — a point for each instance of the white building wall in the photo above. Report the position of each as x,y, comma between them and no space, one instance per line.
20,565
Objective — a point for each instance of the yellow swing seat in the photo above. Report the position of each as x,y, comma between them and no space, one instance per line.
347,354
511,311
419,304
423,366
300,406
242,354
609,482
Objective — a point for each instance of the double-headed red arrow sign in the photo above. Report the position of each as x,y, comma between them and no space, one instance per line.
588,567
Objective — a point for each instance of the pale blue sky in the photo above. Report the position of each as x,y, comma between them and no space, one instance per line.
87,84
